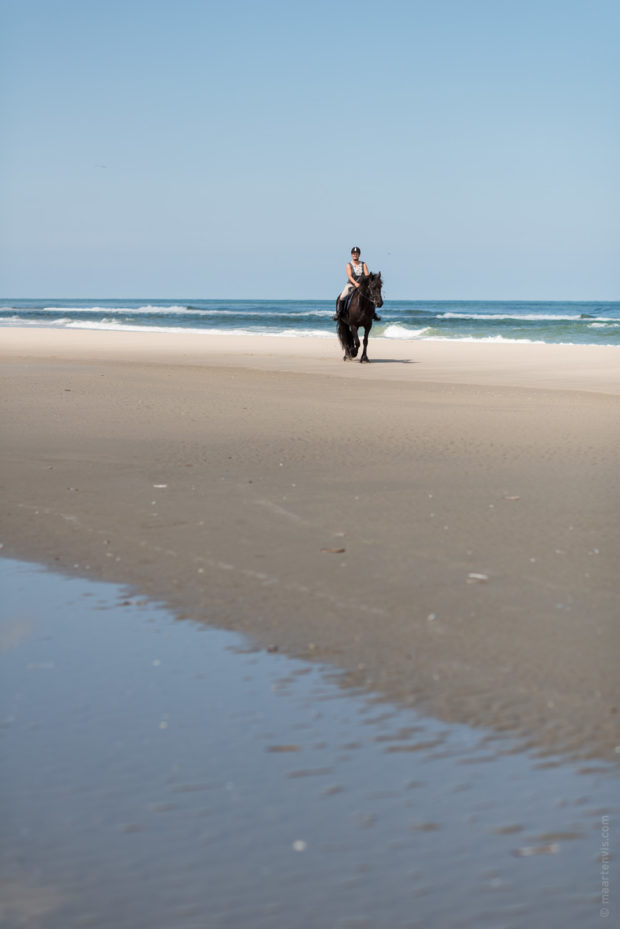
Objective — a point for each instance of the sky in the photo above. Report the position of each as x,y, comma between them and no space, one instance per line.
240,148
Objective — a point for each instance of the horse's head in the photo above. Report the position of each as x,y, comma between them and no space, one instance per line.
373,286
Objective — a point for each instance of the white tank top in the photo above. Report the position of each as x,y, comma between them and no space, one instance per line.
357,270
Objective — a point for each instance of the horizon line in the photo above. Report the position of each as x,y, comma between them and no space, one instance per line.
331,299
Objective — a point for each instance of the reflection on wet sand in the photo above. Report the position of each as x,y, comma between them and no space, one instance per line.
27,902
161,774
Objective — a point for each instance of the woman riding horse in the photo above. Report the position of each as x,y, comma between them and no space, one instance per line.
360,312
356,270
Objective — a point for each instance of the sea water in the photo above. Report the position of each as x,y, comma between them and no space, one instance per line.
590,323
160,774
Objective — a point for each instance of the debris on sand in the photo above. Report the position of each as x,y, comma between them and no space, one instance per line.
473,578
526,850
283,748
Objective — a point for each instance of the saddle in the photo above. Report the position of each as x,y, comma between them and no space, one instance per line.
346,303
342,308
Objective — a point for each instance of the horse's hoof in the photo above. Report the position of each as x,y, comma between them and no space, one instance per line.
364,360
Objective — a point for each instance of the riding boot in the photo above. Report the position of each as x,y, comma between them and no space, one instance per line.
338,314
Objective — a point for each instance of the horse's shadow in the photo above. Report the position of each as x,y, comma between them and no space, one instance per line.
394,361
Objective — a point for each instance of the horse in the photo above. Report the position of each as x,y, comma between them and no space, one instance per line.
360,312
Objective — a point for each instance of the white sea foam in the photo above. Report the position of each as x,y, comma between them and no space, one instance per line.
395,331
156,310
113,326
525,317
312,333
131,310
20,321
418,334
402,332
500,339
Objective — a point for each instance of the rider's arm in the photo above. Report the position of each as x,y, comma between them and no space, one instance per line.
366,271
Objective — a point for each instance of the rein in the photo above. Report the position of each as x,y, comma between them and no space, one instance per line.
365,292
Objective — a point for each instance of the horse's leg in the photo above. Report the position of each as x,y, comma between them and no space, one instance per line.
356,342
364,355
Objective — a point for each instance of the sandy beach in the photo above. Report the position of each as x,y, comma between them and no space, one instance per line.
442,523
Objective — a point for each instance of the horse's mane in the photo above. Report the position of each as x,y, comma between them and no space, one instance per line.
371,278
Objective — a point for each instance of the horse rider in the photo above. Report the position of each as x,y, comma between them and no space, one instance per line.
356,270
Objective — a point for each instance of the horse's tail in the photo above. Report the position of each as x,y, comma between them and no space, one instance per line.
346,337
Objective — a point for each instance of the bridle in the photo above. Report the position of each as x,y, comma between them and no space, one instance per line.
366,292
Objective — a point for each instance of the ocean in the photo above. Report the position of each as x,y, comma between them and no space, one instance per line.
584,323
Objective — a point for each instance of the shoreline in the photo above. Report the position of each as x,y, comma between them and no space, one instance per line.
440,524
512,364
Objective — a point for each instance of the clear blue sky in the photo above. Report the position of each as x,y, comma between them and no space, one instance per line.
239,148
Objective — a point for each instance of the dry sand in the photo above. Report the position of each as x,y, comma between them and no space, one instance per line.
442,524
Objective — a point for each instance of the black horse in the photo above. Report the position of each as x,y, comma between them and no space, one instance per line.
366,298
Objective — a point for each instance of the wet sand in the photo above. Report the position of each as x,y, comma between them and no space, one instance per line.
184,779
442,524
